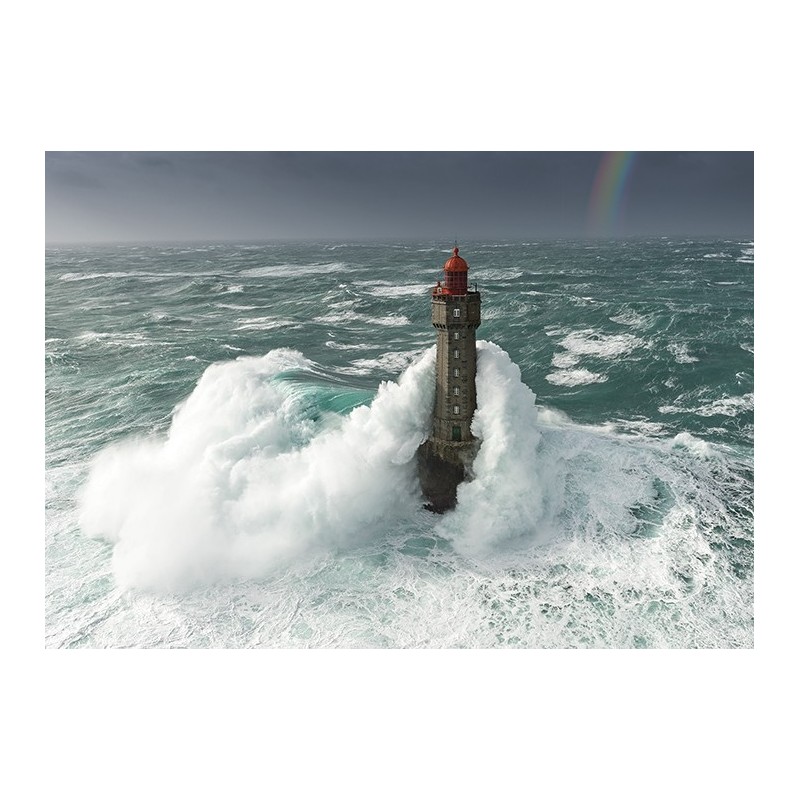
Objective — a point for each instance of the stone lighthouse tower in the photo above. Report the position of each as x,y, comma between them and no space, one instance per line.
444,460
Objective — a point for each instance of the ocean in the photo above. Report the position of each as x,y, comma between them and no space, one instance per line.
231,429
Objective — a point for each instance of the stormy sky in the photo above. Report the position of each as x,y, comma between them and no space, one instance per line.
251,196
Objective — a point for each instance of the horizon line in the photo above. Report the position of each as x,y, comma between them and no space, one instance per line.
715,235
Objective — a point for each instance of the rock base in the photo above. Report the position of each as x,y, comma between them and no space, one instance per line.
441,467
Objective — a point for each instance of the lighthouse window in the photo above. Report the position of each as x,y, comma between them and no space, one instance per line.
456,312
456,372
455,353
456,335
456,409
456,391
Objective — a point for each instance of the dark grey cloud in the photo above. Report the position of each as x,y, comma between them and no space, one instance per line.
112,196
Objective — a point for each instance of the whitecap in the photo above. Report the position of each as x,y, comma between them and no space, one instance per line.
681,353
264,324
400,291
392,320
289,270
693,444
496,274
117,339
564,360
590,342
632,319
725,406
388,362
389,320
575,377
357,346
91,276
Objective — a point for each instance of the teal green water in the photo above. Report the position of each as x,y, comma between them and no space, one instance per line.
640,462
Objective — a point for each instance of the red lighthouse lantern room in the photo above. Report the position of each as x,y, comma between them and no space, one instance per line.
455,274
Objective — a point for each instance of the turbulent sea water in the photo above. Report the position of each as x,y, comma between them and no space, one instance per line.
231,429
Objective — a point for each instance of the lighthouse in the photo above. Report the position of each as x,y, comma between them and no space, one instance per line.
445,459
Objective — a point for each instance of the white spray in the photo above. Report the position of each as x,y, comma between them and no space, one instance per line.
504,501
229,494
240,485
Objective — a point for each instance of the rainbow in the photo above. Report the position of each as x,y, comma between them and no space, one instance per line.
608,192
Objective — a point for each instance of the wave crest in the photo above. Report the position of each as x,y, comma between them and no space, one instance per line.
241,484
